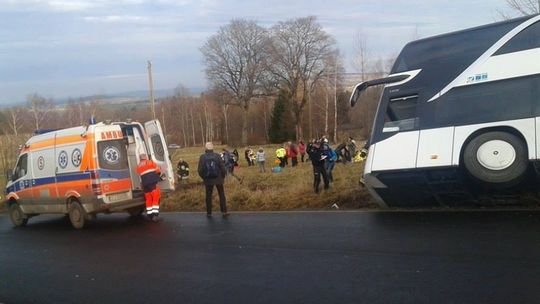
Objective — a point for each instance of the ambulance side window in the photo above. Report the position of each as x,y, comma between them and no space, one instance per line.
157,144
22,167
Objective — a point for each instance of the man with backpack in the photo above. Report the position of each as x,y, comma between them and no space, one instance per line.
212,170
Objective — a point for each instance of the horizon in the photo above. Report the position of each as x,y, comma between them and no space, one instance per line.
61,49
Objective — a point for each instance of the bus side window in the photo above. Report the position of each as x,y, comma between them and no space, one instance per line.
527,39
401,114
22,167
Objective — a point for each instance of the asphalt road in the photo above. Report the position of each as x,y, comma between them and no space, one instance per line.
319,257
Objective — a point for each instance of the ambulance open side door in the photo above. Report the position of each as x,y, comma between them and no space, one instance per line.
160,154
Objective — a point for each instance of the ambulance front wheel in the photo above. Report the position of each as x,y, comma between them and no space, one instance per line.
18,218
77,215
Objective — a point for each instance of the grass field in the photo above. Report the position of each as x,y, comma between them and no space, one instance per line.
290,190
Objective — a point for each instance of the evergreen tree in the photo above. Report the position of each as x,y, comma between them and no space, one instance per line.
280,124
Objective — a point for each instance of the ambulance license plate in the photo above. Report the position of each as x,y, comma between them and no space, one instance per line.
118,197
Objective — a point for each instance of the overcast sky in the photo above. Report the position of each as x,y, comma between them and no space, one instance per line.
61,48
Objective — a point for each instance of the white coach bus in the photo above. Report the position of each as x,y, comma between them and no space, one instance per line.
459,119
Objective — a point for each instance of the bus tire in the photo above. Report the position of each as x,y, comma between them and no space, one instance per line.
496,158
77,215
18,218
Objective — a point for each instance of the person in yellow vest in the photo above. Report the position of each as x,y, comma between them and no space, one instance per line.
281,154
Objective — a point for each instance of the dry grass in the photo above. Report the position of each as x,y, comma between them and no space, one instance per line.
290,190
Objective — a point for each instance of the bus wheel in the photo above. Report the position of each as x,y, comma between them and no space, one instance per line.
498,158
18,218
77,215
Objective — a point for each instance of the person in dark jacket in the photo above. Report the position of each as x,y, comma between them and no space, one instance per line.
318,161
212,170
228,161
182,169
236,157
247,156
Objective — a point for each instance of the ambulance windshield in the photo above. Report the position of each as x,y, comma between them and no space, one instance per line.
112,155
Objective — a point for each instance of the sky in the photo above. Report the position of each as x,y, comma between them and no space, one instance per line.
74,48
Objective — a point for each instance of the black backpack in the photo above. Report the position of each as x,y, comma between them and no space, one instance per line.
210,169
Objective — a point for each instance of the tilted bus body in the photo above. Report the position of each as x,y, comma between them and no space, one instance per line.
459,118
83,171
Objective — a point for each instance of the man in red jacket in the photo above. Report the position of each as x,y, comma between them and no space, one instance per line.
150,177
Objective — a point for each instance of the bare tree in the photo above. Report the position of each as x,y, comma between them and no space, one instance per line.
181,98
40,108
192,123
361,59
15,119
224,101
524,7
235,62
298,50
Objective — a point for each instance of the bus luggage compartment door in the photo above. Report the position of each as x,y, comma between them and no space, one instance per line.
396,152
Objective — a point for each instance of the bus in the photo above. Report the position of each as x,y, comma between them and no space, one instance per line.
458,121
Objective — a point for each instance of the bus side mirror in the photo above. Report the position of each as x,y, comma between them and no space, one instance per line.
361,87
357,92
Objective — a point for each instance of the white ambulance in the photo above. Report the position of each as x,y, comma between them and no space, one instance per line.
86,170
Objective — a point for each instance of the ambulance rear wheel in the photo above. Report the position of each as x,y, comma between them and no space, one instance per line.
18,218
77,215
136,211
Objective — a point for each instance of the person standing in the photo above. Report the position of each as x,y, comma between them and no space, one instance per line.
228,162
330,164
212,170
247,153
150,177
318,161
281,154
236,157
293,150
287,152
302,150
352,146
252,157
261,159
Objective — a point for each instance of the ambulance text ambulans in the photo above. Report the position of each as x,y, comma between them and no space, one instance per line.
85,170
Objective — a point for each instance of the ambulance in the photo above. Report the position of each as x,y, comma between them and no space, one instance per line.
83,171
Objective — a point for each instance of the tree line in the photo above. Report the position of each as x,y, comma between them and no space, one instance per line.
267,84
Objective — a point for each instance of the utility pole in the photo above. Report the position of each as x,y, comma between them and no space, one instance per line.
151,87
335,101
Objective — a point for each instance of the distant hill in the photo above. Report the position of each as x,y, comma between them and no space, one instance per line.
121,97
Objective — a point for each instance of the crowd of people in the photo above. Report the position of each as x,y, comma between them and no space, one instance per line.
213,168
319,152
